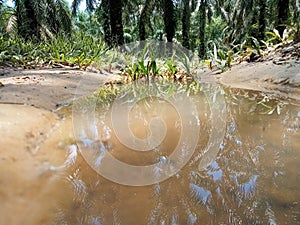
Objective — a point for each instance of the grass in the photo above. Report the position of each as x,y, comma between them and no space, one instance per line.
78,50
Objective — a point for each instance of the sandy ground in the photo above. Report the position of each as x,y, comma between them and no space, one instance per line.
276,73
43,88
283,81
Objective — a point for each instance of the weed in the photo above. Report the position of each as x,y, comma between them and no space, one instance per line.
79,49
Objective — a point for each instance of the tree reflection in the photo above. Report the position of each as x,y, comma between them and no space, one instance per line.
254,179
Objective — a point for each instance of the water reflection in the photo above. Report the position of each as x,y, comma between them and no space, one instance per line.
254,179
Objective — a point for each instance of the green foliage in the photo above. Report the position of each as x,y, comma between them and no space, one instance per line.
172,67
222,56
106,94
288,35
157,61
156,69
143,68
274,36
6,20
222,31
79,49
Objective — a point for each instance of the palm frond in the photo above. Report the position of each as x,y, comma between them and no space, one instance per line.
90,5
64,17
11,27
75,6
296,11
7,20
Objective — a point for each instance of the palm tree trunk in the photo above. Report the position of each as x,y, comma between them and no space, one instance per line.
262,20
193,5
18,14
51,17
202,12
169,19
283,15
186,24
105,20
145,18
116,25
32,22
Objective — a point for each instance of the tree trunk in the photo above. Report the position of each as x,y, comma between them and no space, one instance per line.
51,17
202,12
262,19
116,25
193,5
19,17
145,18
169,19
283,15
31,22
186,24
104,19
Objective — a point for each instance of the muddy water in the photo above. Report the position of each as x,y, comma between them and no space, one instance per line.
253,179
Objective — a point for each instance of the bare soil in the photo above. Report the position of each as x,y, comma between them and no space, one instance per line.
47,88
276,72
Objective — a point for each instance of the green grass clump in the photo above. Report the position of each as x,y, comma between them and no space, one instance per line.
79,49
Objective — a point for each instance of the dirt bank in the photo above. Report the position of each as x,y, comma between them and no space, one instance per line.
48,88
276,72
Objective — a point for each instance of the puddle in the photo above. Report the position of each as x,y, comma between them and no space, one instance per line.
253,179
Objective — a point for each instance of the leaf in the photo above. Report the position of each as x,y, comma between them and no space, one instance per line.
275,36
215,51
278,109
270,112
142,66
222,55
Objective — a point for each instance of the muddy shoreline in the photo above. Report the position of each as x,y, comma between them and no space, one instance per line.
35,141
53,88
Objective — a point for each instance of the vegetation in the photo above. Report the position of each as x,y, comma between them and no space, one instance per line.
79,49
48,31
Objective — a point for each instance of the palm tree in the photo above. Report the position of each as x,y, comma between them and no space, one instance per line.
34,18
57,16
262,19
202,13
169,19
111,13
186,15
116,24
103,15
90,6
282,15
27,21
5,15
144,18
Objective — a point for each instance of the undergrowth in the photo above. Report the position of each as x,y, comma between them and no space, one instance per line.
78,50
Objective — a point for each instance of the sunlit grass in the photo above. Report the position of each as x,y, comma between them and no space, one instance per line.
77,50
